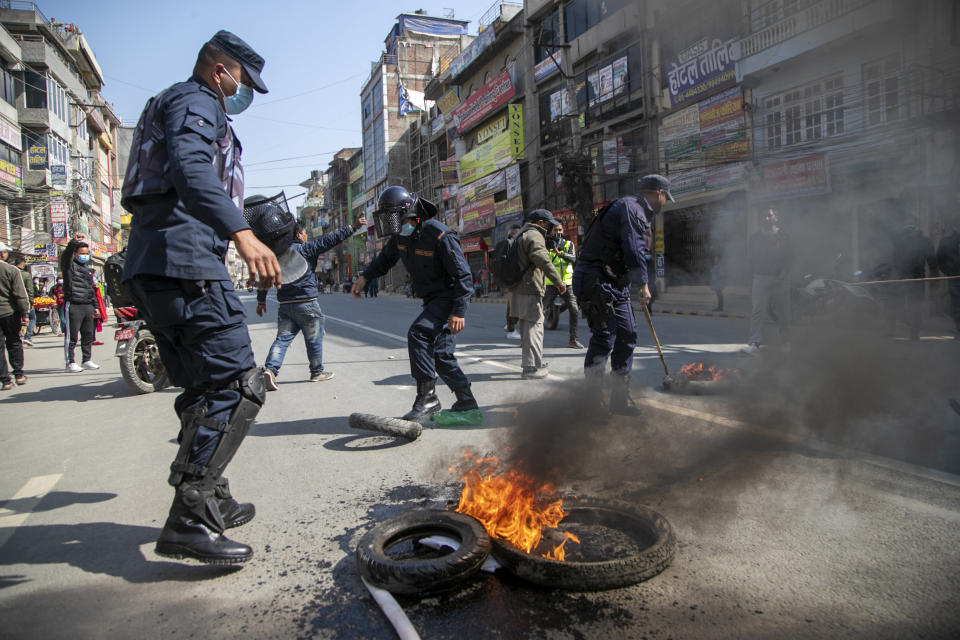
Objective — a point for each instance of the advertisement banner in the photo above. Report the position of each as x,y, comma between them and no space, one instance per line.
488,131
10,134
11,173
448,172
58,219
486,158
547,67
512,177
723,107
489,184
448,101
805,176
515,115
37,157
700,68
58,175
484,101
475,243
478,215
436,126
507,208
610,157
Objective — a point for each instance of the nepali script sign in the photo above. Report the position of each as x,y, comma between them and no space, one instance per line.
701,68
484,101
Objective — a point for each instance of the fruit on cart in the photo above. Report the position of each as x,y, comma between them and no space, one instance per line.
43,301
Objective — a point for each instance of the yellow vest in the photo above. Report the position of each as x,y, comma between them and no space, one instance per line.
564,267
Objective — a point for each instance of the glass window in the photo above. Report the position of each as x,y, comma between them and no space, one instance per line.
8,90
35,90
881,82
549,34
805,114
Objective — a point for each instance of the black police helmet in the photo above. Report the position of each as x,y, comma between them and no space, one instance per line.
395,205
273,224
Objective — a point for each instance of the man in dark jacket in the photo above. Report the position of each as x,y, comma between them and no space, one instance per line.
431,253
298,307
20,263
770,256
14,305
948,260
80,301
912,253
184,187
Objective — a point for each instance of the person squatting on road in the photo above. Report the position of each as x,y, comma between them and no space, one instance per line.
770,257
184,187
432,255
297,306
612,257
563,255
526,296
14,306
80,302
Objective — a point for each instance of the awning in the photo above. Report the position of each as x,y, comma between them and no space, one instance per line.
94,120
105,142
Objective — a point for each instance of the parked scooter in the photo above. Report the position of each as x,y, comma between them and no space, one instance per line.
554,306
139,356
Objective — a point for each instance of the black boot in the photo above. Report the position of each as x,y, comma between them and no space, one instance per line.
188,535
621,403
426,404
465,400
233,513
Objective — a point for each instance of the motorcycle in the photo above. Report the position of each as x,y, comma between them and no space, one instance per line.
554,307
139,356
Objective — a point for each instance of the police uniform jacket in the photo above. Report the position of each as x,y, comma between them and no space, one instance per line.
616,242
306,287
184,186
434,259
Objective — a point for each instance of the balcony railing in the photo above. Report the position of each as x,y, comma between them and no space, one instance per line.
806,19
493,14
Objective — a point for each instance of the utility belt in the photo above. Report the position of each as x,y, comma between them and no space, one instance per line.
596,299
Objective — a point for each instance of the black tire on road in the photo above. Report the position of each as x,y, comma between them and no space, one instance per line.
390,426
141,366
422,575
648,525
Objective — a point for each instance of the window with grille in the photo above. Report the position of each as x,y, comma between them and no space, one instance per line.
804,114
881,86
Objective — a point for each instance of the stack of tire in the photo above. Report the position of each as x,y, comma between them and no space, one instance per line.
421,574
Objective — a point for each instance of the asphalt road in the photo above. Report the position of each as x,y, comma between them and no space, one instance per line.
821,499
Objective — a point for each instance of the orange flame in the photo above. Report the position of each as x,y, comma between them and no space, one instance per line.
511,506
700,372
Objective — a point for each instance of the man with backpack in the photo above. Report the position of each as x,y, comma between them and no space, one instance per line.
523,273
499,255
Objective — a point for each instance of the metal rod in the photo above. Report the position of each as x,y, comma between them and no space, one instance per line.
656,340
857,284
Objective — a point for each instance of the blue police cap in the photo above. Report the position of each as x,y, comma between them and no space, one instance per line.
539,214
250,60
655,182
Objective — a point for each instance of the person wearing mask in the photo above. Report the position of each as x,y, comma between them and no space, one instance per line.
563,255
612,258
184,187
80,300
20,263
14,306
432,255
56,292
298,309
948,260
912,254
770,258
526,296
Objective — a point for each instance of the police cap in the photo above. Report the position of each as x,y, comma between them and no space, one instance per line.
250,60
538,215
656,182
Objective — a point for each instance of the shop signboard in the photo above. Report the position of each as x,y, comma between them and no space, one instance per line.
508,208
547,67
11,173
448,101
489,184
484,101
699,69
436,126
495,154
499,125
474,243
515,128
448,172
804,176
10,134
512,177
58,175
37,156
477,216
356,173
58,219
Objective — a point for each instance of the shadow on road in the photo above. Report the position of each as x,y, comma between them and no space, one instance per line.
373,443
101,548
56,500
77,391
321,426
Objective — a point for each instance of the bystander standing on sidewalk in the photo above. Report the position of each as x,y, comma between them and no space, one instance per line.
14,305
78,291
718,280
770,258
56,292
20,263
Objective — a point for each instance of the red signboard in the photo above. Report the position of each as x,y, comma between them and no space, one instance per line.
484,101
804,176
478,215
473,243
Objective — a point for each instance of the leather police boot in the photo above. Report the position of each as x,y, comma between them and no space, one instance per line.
465,400
426,404
621,403
233,513
185,535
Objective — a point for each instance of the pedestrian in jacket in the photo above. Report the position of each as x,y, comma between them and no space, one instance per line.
526,297
912,254
298,309
770,255
20,263
14,305
80,302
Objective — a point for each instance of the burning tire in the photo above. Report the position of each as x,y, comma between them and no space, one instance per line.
648,533
390,426
417,571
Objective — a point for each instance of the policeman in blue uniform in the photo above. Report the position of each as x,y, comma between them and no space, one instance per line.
184,187
611,259
432,255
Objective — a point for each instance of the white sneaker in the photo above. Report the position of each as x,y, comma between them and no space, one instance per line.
73,367
514,335
90,365
750,349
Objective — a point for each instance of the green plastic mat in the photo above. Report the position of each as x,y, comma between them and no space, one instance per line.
470,418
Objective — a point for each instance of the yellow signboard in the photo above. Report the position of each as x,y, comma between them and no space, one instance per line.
492,129
515,115
448,101
501,150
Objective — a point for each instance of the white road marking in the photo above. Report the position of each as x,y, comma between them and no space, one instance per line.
31,493
817,445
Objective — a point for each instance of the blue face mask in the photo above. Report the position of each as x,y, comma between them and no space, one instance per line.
83,259
407,229
240,100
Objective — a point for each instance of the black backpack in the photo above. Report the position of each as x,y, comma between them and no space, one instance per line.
510,271
118,292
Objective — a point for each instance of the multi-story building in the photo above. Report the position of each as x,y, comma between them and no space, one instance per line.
11,141
393,95
339,211
357,254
